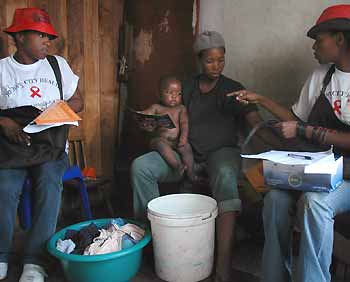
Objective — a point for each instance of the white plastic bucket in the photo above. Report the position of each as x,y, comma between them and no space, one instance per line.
183,231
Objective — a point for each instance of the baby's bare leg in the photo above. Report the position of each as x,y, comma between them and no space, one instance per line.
187,158
164,148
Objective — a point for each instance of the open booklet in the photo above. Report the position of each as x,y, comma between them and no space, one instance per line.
159,120
57,114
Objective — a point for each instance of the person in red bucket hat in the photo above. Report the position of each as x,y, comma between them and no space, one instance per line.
321,118
31,19
28,79
335,18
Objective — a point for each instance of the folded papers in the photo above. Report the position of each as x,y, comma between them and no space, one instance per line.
59,113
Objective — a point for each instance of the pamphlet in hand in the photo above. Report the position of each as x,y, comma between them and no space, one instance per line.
159,120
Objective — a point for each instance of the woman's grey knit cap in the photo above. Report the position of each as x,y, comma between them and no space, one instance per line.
207,40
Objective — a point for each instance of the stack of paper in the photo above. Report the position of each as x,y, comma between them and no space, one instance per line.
314,160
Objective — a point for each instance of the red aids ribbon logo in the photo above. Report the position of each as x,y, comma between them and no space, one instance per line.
337,106
35,91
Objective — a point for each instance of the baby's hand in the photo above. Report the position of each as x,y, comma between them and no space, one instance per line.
148,125
245,97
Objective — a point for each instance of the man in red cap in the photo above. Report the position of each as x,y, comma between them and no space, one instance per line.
27,78
321,117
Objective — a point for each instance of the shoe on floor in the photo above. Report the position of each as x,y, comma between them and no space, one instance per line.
32,273
3,270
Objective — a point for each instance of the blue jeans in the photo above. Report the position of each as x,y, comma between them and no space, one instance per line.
150,169
314,213
47,187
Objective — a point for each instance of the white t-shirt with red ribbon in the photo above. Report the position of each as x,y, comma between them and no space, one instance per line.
337,93
34,84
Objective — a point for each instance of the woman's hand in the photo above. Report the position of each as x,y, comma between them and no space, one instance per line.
14,132
288,129
245,97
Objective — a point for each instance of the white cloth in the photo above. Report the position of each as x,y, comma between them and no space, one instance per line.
65,246
133,230
109,241
34,84
337,93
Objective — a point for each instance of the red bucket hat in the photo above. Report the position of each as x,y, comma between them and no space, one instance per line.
334,18
31,19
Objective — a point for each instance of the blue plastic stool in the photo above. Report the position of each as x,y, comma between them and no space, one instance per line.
25,211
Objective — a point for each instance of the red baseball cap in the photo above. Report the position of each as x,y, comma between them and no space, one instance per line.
334,18
31,19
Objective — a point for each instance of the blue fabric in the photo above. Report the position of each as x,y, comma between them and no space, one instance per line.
128,241
118,221
314,212
47,185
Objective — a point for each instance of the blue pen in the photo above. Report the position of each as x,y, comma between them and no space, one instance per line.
300,156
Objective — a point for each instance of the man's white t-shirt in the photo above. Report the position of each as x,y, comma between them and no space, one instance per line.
34,84
337,93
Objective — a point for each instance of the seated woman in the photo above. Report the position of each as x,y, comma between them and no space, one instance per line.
320,117
214,120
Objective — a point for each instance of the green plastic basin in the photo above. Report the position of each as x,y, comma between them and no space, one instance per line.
118,266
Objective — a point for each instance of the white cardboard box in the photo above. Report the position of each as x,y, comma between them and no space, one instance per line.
325,174
283,176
